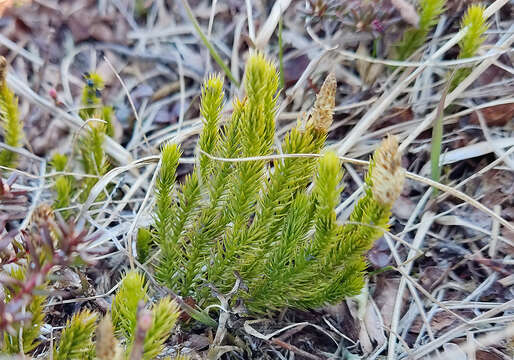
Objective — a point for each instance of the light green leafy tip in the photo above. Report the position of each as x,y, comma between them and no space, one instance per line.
59,162
10,121
63,188
124,307
94,159
91,99
165,314
326,194
107,116
210,109
99,124
63,184
170,155
414,37
143,244
164,187
31,327
474,20
76,338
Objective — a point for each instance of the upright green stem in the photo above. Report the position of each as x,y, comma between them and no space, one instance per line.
437,137
280,55
208,44
435,153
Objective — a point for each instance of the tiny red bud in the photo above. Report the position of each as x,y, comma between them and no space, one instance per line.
378,26
145,320
53,93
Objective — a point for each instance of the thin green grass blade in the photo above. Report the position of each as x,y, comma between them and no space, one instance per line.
208,44
280,55
437,137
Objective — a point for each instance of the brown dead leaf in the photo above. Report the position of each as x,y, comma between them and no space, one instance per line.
407,11
497,188
347,324
372,325
498,115
440,321
102,32
44,140
91,26
364,338
385,297
393,116
79,25
197,342
487,355
184,316
403,208
379,255
294,68
368,72
374,71
431,277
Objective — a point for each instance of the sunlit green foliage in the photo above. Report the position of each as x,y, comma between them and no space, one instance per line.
414,37
11,124
262,222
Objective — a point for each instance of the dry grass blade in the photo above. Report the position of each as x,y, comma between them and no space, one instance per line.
208,43
437,135
459,331
388,97
492,338
439,280
271,23
458,194
115,150
426,222
503,43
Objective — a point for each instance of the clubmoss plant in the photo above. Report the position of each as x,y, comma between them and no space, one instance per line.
165,312
414,37
143,244
124,307
10,121
99,124
76,340
94,159
164,316
63,184
262,222
475,21
30,327
91,95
